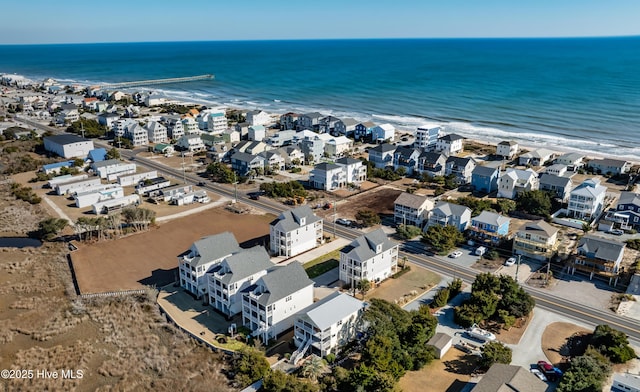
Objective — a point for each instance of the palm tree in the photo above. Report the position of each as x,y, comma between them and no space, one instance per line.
313,367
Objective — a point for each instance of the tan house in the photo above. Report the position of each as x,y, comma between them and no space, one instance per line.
536,240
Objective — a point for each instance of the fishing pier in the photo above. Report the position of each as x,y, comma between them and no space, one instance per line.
154,82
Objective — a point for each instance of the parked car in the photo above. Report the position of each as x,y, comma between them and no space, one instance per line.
510,261
455,254
201,183
549,370
615,232
481,251
344,222
539,374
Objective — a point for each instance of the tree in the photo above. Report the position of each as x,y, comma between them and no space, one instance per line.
505,206
494,352
407,232
249,365
113,153
586,374
313,367
475,204
368,218
441,298
91,128
534,202
219,172
442,238
78,162
278,381
50,227
363,286
612,343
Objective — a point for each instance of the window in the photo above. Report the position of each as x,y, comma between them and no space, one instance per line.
339,322
288,299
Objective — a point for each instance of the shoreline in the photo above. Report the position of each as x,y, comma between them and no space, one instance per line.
407,124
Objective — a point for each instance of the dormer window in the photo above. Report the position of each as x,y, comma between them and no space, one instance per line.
379,248
303,221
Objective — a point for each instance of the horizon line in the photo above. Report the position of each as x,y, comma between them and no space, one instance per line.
333,39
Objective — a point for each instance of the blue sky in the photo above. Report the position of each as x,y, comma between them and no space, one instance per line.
46,21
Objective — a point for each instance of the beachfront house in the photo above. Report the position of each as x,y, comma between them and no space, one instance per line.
68,146
461,168
609,166
201,256
411,209
426,138
485,179
258,117
327,124
310,121
156,132
371,256
536,157
596,255
626,215
383,133
295,231
346,126
489,227
573,160
381,156
363,130
191,143
432,163
586,200
289,121
270,305
247,164
558,186
507,149
536,240
232,275
449,214
450,144
557,169
513,181
257,133
328,324
407,158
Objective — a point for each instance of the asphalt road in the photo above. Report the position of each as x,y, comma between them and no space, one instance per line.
543,299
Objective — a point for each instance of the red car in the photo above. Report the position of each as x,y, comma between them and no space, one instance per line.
545,366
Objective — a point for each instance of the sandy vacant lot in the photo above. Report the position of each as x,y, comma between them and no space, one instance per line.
150,258
451,374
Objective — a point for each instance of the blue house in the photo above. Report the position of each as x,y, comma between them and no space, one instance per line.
489,226
484,179
363,130
97,155
406,157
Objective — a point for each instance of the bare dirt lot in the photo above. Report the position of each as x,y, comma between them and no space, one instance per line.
451,374
555,337
151,258
379,200
406,287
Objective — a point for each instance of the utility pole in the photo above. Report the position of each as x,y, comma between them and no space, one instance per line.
335,212
517,268
184,174
235,186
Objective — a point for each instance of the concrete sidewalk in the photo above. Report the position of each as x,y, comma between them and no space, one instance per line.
313,253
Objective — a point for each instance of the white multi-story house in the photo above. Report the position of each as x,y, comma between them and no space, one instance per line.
175,129
372,256
607,165
382,155
273,160
559,186
410,209
449,144
257,133
310,121
270,305
201,256
449,214
338,146
586,200
234,274
427,138
536,240
217,122
156,132
119,127
507,149
461,168
190,126
328,324
295,231
137,134
514,181
191,143
573,160
356,172
536,157
258,117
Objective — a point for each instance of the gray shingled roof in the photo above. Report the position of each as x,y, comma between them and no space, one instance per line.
552,179
290,220
331,309
348,161
243,264
326,166
501,377
460,161
538,226
451,137
484,171
410,200
629,198
280,282
491,218
214,247
439,340
508,143
602,248
432,157
384,147
363,247
451,209
243,157
608,162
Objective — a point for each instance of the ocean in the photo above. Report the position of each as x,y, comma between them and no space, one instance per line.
575,94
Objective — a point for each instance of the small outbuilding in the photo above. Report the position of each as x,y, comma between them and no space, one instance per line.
441,342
